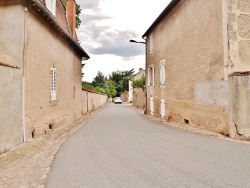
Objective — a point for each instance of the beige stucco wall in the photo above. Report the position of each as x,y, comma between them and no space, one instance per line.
46,48
11,50
191,40
91,101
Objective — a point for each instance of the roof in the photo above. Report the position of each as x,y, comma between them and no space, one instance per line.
164,13
58,26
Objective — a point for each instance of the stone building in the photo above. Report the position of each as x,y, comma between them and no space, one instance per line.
198,64
40,68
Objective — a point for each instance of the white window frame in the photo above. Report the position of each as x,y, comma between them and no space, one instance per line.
151,72
151,105
51,6
162,72
151,44
53,95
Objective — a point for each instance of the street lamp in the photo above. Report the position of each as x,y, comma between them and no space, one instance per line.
137,41
142,42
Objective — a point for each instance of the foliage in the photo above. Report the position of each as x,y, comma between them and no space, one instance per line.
99,80
139,83
89,86
78,12
110,88
121,79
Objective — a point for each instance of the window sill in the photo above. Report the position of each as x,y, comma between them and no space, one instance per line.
53,103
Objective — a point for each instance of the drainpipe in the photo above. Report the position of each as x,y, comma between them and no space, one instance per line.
23,88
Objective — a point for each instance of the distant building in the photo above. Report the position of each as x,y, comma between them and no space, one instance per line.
137,76
198,65
40,68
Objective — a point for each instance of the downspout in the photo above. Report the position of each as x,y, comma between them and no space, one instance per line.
23,89
146,72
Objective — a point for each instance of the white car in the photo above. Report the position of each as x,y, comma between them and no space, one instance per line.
118,100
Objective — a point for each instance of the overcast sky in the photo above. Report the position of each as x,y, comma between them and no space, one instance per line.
108,25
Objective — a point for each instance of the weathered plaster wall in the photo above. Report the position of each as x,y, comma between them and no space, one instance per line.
215,93
191,41
46,48
11,50
238,35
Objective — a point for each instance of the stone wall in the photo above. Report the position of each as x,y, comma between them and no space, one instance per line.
240,103
238,35
204,116
139,98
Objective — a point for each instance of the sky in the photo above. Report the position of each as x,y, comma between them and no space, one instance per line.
107,26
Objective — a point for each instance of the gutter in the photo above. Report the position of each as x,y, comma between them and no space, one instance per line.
164,13
58,26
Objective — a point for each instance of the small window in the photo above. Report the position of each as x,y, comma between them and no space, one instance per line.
162,72
151,80
53,84
151,44
51,6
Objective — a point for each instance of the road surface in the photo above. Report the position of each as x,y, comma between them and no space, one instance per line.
121,148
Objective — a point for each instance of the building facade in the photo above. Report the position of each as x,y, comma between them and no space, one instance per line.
197,53
41,68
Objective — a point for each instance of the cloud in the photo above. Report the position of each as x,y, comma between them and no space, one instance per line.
89,4
117,43
102,40
99,36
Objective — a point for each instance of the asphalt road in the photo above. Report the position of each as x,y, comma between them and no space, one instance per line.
121,148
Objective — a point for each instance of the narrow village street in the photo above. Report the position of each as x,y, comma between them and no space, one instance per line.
121,148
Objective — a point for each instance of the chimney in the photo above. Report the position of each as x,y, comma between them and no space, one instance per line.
71,14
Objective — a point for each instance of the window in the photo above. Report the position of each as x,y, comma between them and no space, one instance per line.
151,44
53,84
151,80
51,6
162,72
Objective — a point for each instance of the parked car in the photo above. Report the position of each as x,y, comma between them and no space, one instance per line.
118,100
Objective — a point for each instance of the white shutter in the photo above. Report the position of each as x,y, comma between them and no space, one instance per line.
162,72
149,76
163,110
151,106
53,83
153,74
151,44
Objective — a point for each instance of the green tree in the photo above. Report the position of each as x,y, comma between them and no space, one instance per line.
121,79
139,83
110,88
99,80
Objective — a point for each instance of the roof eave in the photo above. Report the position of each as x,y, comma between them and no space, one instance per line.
164,13
60,27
